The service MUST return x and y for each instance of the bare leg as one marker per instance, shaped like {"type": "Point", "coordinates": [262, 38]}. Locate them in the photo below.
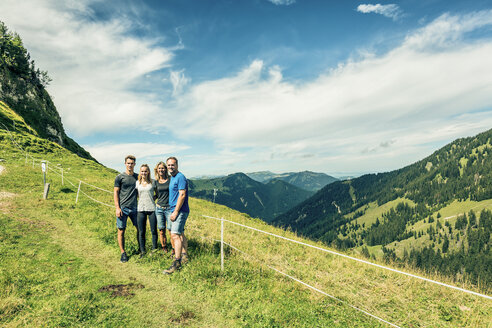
{"type": "Point", "coordinates": [121, 239]}
{"type": "Point", "coordinates": [177, 245]}
{"type": "Point", "coordinates": [162, 237]}
{"type": "Point", "coordinates": [184, 244]}
{"type": "Point", "coordinates": [172, 240]}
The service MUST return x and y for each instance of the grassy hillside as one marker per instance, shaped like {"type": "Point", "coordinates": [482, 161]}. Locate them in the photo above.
{"type": "Point", "coordinates": [23, 88]}
{"type": "Point", "coordinates": [240, 192]}
{"type": "Point", "coordinates": [410, 215]}
{"type": "Point", "coordinates": [60, 266]}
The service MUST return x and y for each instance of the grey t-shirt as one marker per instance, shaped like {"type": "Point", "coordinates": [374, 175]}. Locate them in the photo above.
{"type": "Point", "coordinates": [162, 192]}
{"type": "Point", "coordinates": [128, 193]}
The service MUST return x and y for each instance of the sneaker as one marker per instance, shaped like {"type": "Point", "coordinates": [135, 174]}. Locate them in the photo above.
{"type": "Point", "coordinates": [124, 257]}
{"type": "Point", "coordinates": [184, 258]}
{"type": "Point", "coordinates": [174, 267]}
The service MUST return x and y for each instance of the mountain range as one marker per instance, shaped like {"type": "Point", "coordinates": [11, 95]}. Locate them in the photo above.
{"type": "Point", "coordinates": [434, 214]}
{"type": "Point", "coordinates": [240, 192]}
{"type": "Point", "coordinates": [307, 180]}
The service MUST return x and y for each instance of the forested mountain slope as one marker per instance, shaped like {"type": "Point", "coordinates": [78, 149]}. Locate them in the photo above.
{"type": "Point", "coordinates": [240, 192]}
{"type": "Point", "coordinates": [456, 179]}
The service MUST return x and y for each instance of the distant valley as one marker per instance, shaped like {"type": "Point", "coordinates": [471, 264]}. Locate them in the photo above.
{"type": "Point", "coordinates": [240, 192]}
{"type": "Point", "coordinates": [307, 180]}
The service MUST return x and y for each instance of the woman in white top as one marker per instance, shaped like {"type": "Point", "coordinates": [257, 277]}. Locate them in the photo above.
{"type": "Point", "coordinates": [145, 208]}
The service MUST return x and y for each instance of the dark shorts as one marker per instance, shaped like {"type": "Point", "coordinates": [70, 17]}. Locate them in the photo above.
{"type": "Point", "coordinates": [126, 212]}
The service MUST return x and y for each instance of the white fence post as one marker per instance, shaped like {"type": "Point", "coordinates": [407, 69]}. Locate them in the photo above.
{"type": "Point", "coordinates": [222, 244]}
{"type": "Point", "coordinates": [78, 190]}
{"type": "Point", "coordinates": [44, 168]}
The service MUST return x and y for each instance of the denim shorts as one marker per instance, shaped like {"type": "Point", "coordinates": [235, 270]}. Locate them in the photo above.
{"type": "Point", "coordinates": [163, 215]}
{"type": "Point", "coordinates": [126, 212]}
{"type": "Point", "coordinates": [177, 227]}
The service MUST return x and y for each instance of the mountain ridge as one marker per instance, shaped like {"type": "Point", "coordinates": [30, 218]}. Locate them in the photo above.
{"type": "Point", "coordinates": [238, 191]}
{"type": "Point", "coordinates": [459, 172]}
{"type": "Point", "coordinates": [23, 89]}
{"type": "Point", "coordinates": [308, 180]}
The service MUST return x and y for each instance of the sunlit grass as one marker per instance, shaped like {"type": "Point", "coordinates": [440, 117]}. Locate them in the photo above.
{"type": "Point", "coordinates": [57, 255]}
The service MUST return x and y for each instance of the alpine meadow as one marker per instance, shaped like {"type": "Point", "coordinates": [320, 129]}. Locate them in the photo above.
{"type": "Point", "coordinates": [405, 248]}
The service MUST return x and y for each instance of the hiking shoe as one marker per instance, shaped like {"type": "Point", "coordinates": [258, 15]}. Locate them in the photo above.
{"type": "Point", "coordinates": [184, 258]}
{"type": "Point", "coordinates": [124, 257]}
{"type": "Point", "coordinates": [174, 267]}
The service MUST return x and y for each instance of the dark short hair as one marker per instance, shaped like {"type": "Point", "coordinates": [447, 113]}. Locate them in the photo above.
{"type": "Point", "coordinates": [173, 158]}
{"type": "Point", "coordinates": [130, 157]}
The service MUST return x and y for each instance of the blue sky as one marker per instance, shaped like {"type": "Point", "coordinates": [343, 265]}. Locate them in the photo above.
{"type": "Point", "coordinates": [341, 87]}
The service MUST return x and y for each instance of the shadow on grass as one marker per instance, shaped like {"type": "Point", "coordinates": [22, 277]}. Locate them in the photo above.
{"type": "Point", "coordinates": [67, 191]}
{"type": "Point", "coordinates": [196, 246]}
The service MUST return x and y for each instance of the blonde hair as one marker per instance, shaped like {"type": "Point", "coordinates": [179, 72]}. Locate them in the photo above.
{"type": "Point", "coordinates": [156, 173]}
{"type": "Point", "coordinates": [140, 177]}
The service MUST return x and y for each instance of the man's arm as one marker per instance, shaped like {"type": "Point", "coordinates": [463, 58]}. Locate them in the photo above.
{"type": "Point", "coordinates": [179, 203]}
{"type": "Point", "coordinates": [116, 197]}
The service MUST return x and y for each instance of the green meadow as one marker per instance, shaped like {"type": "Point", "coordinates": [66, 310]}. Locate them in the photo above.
{"type": "Point", "coordinates": [59, 264]}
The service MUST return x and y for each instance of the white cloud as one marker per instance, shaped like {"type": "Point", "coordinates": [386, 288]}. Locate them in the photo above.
{"type": "Point", "coordinates": [95, 65]}
{"type": "Point", "coordinates": [390, 10]}
{"type": "Point", "coordinates": [113, 154]}
{"type": "Point", "coordinates": [282, 2]}
{"type": "Point", "coordinates": [436, 92]}
{"type": "Point", "coordinates": [178, 80]}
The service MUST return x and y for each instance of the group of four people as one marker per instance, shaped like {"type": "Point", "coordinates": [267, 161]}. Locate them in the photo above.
{"type": "Point", "coordinates": [163, 201]}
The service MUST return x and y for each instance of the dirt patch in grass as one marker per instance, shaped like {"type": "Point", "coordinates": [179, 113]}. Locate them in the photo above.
{"type": "Point", "coordinates": [5, 194]}
{"type": "Point", "coordinates": [121, 290]}
{"type": "Point", "coordinates": [45, 225]}
{"type": "Point", "coordinates": [184, 317]}
{"type": "Point", "coordinates": [4, 201]}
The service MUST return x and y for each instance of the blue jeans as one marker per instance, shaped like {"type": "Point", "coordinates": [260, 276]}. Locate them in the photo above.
{"type": "Point", "coordinates": [177, 227]}
{"type": "Point", "coordinates": [126, 212]}
{"type": "Point", "coordinates": [163, 215]}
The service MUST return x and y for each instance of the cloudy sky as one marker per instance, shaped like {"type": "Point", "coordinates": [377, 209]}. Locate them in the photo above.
{"type": "Point", "coordinates": [341, 87]}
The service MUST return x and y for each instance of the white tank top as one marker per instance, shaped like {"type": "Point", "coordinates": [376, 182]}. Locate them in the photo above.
{"type": "Point", "coordinates": [145, 197]}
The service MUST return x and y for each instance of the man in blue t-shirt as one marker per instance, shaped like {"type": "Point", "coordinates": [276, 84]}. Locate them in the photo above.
{"type": "Point", "coordinates": [178, 205]}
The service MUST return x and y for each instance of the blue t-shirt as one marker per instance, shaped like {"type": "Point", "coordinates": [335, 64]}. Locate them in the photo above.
{"type": "Point", "coordinates": [178, 182]}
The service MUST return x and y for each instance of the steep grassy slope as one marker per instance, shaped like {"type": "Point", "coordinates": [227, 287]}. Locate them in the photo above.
{"type": "Point", "coordinates": [22, 87]}
{"type": "Point", "coordinates": [244, 194]}
{"type": "Point", "coordinates": [60, 266]}
{"type": "Point", "coordinates": [400, 211]}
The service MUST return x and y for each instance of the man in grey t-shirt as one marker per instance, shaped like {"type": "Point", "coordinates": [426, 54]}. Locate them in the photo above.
{"type": "Point", "coordinates": [125, 202]}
